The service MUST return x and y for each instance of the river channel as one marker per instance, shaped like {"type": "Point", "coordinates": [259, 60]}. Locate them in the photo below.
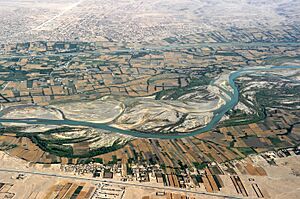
{"type": "Point", "coordinates": [218, 114]}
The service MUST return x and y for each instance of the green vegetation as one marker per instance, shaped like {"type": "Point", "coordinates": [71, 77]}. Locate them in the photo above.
{"type": "Point", "coordinates": [57, 147]}
{"type": "Point", "coordinates": [129, 170]}
{"type": "Point", "coordinates": [6, 146]}
{"type": "Point", "coordinates": [163, 166]}
{"type": "Point", "coordinates": [59, 130]}
{"type": "Point", "coordinates": [200, 166]}
{"type": "Point", "coordinates": [246, 150]}
{"type": "Point", "coordinates": [182, 166]}
{"type": "Point", "coordinates": [98, 160]}
{"type": "Point", "coordinates": [275, 140]}
{"type": "Point", "coordinates": [85, 161]}
{"type": "Point", "coordinates": [60, 150]}
{"type": "Point", "coordinates": [175, 93]}
{"type": "Point", "coordinates": [239, 118]}
{"type": "Point", "coordinates": [171, 40]}
{"type": "Point", "coordinates": [264, 97]}
{"type": "Point", "coordinates": [113, 161]}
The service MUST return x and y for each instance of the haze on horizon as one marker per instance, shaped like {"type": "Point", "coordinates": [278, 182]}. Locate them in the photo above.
{"type": "Point", "coordinates": [138, 20]}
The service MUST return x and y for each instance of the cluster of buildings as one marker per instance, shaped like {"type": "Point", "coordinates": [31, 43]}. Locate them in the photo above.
{"type": "Point", "coordinates": [131, 21]}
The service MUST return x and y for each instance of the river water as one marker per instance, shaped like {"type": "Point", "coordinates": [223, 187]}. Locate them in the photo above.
{"type": "Point", "coordinates": [218, 114]}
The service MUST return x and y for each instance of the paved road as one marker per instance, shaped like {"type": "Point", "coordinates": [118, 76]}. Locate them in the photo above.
{"type": "Point", "coordinates": [128, 184]}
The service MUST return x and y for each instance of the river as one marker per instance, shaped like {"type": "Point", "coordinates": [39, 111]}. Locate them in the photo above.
{"type": "Point", "coordinates": [218, 114]}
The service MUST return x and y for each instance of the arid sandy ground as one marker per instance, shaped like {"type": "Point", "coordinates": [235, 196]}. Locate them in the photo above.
{"type": "Point", "coordinates": [281, 181]}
